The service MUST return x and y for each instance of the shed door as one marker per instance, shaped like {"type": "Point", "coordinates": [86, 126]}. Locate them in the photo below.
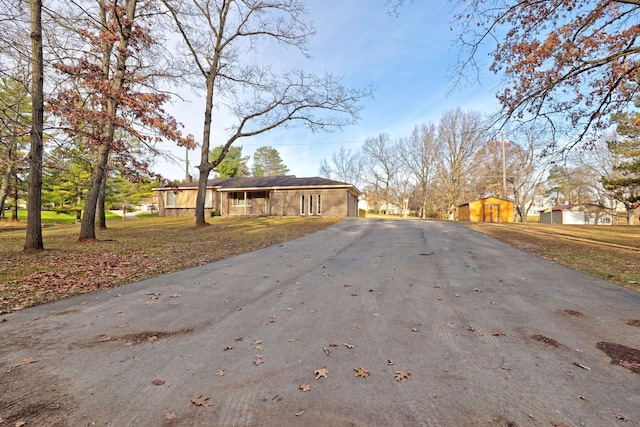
{"type": "Point", "coordinates": [491, 213]}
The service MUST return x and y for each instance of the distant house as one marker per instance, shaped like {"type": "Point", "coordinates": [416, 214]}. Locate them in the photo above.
{"type": "Point", "coordinates": [263, 196]}
{"type": "Point", "coordinates": [489, 209]}
{"type": "Point", "coordinates": [576, 214]}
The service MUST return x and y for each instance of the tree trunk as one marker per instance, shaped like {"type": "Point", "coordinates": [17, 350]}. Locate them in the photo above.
{"type": "Point", "coordinates": [101, 216]}
{"type": "Point", "coordinates": [205, 166]}
{"type": "Point", "coordinates": [4, 188]}
{"type": "Point", "coordinates": [88, 228]}
{"type": "Point", "coordinates": [33, 239]}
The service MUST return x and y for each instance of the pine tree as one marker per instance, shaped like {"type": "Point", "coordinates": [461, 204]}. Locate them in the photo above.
{"type": "Point", "coordinates": [267, 162]}
{"type": "Point", "coordinates": [625, 185]}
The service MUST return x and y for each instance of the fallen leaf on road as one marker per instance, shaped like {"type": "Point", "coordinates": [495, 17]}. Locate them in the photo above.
{"type": "Point", "coordinates": [170, 416]}
{"type": "Point", "coordinates": [152, 338]}
{"type": "Point", "coordinates": [258, 360]}
{"type": "Point", "coordinates": [450, 324]}
{"type": "Point", "coordinates": [415, 330]}
{"type": "Point", "coordinates": [402, 375]}
{"type": "Point", "coordinates": [497, 333]}
{"type": "Point", "coordinates": [376, 314]}
{"type": "Point", "coordinates": [293, 339]}
{"type": "Point", "coordinates": [355, 327]}
{"type": "Point", "coordinates": [326, 351]}
{"type": "Point", "coordinates": [220, 373]}
{"type": "Point", "coordinates": [299, 413]}
{"type": "Point", "coordinates": [239, 338]}
{"type": "Point", "coordinates": [620, 417]}
{"type": "Point", "coordinates": [175, 296]}
{"type": "Point", "coordinates": [579, 365]}
{"type": "Point", "coordinates": [20, 423]}
{"type": "Point", "coordinates": [227, 348]}
{"type": "Point", "coordinates": [157, 381]}
{"type": "Point", "coordinates": [389, 362]}
{"type": "Point", "coordinates": [560, 424]}
{"type": "Point", "coordinates": [201, 400]}
{"type": "Point", "coordinates": [27, 361]}
{"type": "Point", "coordinates": [349, 346]}
{"type": "Point", "coordinates": [321, 373]}
{"type": "Point", "coordinates": [304, 387]}
{"type": "Point", "coordinates": [476, 290]}
{"type": "Point", "coordinates": [361, 372]}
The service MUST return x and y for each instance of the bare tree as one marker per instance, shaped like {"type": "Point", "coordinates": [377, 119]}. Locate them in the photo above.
{"type": "Point", "coordinates": [345, 166]}
{"type": "Point", "coordinates": [221, 36]}
{"type": "Point", "coordinates": [419, 153]}
{"type": "Point", "coordinates": [460, 134]}
{"type": "Point", "coordinates": [380, 165]}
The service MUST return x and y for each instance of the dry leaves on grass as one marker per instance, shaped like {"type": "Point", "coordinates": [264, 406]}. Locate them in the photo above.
{"type": "Point", "coordinates": [123, 255]}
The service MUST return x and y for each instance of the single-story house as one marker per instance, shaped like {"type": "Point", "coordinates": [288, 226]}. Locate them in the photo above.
{"type": "Point", "coordinates": [284, 195]}
{"type": "Point", "coordinates": [489, 209]}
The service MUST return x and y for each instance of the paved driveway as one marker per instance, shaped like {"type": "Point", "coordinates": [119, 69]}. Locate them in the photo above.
{"type": "Point", "coordinates": [452, 327]}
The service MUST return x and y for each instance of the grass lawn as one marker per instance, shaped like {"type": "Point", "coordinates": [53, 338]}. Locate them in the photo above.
{"type": "Point", "coordinates": [609, 252]}
{"type": "Point", "coordinates": [48, 218]}
{"type": "Point", "coordinates": [129, 250]}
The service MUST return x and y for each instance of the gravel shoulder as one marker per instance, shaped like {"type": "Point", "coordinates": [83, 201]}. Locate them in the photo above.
{"type": "Point", "coordinates": [454, 328]}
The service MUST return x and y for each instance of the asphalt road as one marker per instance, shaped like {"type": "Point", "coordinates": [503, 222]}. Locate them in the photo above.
{"type": "Point", "coordinates": [453, 328]}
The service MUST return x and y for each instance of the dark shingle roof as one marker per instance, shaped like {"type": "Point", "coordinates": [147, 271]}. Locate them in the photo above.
{"type": "Point", "coordinates": [267, 182]}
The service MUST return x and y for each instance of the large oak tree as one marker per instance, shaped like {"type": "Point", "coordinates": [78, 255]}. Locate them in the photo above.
{"type": "Point", "coordinates": [223, 39]}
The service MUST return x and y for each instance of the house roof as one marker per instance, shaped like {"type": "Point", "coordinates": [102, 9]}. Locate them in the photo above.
{"type": "Point", "coordinates": [561, 207]}
{"type": "Point", "coordinates": [486, 198]}
{"type": "Point", "coordinates": [270, 183]}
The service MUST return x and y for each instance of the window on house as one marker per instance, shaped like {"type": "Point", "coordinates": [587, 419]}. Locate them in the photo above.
{"type": "Point", "coordinates": [319, 203]}
{"type": "Point", "coordinates": [239, 199]}
{"type": "Point", "coordinates": [171, 199]}
{"type": "Point", "coordinates": [302, 205]}
{"type": "Point", "coordinates": [310, 205]}
{"type": "Point", "coordinates": [207, 198]}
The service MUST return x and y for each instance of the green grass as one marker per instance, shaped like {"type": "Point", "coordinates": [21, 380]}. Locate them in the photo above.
{"type": "Point", "coordinates": [53, 217]}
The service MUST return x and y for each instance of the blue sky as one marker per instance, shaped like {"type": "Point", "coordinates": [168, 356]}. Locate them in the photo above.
{"type": "Point", "coordinates": [406, 58]}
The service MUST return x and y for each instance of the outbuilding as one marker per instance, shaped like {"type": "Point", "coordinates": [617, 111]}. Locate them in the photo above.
{"type": "Point", "coordinates": [489, 209]}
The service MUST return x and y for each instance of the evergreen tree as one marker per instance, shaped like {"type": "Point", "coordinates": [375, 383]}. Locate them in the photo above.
{"type": "Point", "coordinates": [233, 165]}
{"type": "Point", "coordinates": [267, 162]}
{"type": "Point", "coordinates": [625, 184]}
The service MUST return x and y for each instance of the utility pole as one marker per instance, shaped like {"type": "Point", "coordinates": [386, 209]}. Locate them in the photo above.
{"type": "Point", "coordinates": [186, 167]}
{"type": "Point", "coordinates": [504, 170]}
